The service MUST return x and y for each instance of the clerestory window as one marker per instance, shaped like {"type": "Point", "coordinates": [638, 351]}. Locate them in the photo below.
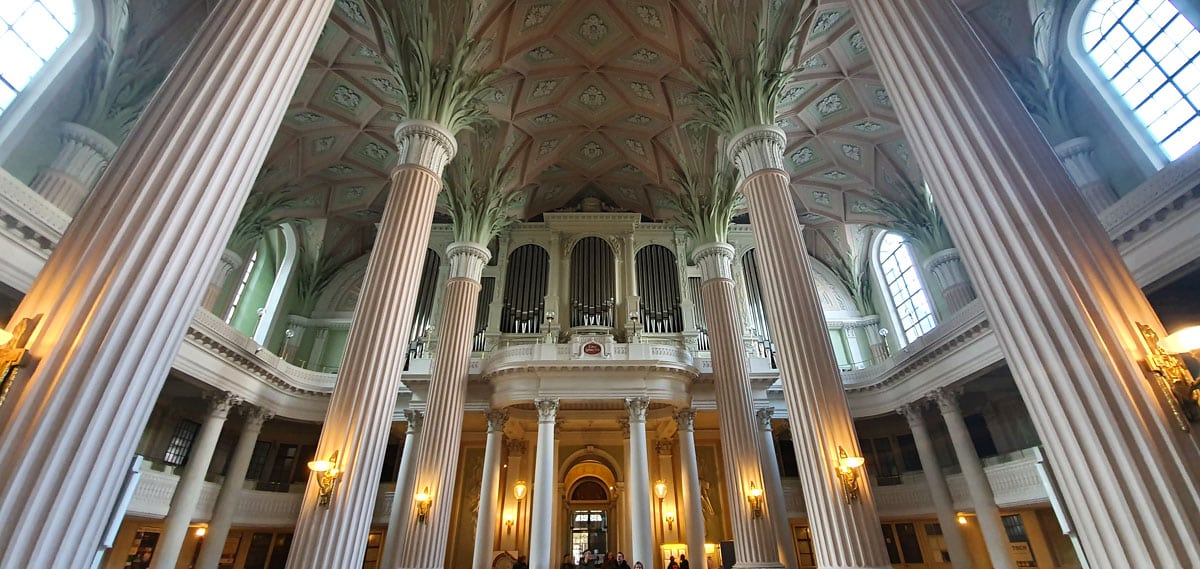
{"type": "Point", "coordinates": [912, 310]}
{"type": "Point", "coordinates": [31, 31]}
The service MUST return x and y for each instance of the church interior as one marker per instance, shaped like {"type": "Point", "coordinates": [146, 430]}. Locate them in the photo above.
{"type": "Point", "coordinates": [400, 284]}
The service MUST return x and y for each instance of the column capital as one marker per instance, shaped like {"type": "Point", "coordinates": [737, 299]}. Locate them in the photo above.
{"type": "Point", "coordinates": [414, 419]}
{"type": "Point", "coordinates": [467, 259]}
{"type": "Point", "coordinates": [220, 403]}
{"type": "Point", "coordinates": [256, 416]}
{"type": "Point", "coordinates": [764, 416]}
{"type": "Point", "coordinates": [757, 148]}
{"type": "Point", "coordinates": [517, 447]}
{"type": "Point", "coordinates": [637, 407]}
{"type": "Point", "coordinates": [914, 412]}
{"type": "Point", "coordinates": [946, 399]}
{"type": "Point", "coordinates": [496, 419]}
{"type": "Point", "coordinates": [685, 419]}
{"type": "Point", "coordinates": [715, 261]}
{"type": "Point", "coordinates": [547, 409]}
{"type": "Point", "coordinates": [664, 447]}
{"type": "Point", "coordinates": [426, 144]}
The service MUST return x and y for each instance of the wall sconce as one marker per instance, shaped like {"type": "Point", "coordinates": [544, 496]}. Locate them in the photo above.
{"type": "Point", "coordinates": [1174, 379]}
{"type": "Point", "coordinates": [755, 497]}
{"type": "Point", "coordinates": [962, 519]}
{"type": "Point", "coordinates": [550, 316]}
{"type": "Point", "coordinates": [13, 351]}
{"type": "Point", "coordinates": [660, 490]}
{"type": "Point", "coordinates": [327, 473]}
{"type": "Point", "coordinates": [847, 470]}
{"type": "Point", "coordinates": [424, 500]}
{"type": "Point", "coordinates": [519, 490]}
{"type": "Point", "coordinates": [508, 523]}
{"type": "Point", "coordinates": [670, 517]}
{"type": "Point", "coordinates": [201, 531]}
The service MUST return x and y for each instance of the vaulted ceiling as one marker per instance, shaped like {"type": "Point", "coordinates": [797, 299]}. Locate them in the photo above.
{"type": "Point", "coordinates": [590, 101]}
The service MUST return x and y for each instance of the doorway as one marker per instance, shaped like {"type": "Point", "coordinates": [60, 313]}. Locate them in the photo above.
{"type": "Point", "coordinates": [589, 532]}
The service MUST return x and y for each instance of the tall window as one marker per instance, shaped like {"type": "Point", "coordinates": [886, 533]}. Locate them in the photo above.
{"type": "Point", "coordinates": [904, 287]}
{"type": "Point", "coordinates": [181, 442]}
{"type": "Point", "coordinates": [30, 32]}
{"type": "Point", "coordinates": [1148, 52]}
{"type": "Point", "coordinates": [241, 288]}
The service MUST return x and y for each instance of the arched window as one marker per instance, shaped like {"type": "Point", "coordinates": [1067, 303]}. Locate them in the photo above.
{"type": "Point", "coordinates": [911, 306]}
{"type": "Point", "coordinates": [30, 32]}
{"type": "Point", "coordinates": [1147, 52]}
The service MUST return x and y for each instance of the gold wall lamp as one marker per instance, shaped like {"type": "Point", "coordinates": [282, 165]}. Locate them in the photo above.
{"type": "Point", "coordinates": [660, 491]}
{"type": "Point", "coordinates": [847, 471]}
{"type": "Point", "coordinates": [1174, 379]}
{"type": "Point", "coordinates": [13, 352]}
{"type": "Point", "coordinates": [755, 497]}
{"type": "Point", "coordinates": [327, 472]}
{"type": "Point", "coordinates": [508, 522]}
{"type": "Point", "coordinates": [424, 500]}
{"type": "Point", "coordinates": [670, 517]}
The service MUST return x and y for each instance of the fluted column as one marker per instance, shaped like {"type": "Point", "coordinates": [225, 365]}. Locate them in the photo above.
{"type": "Point", "coordinates": [187, 492]}
{"type": "Point", "coordinates": [230, 261]}
{"type": "Point", "coordinates": [1056, 291]}
{"type": "Point", "coordinates": [939, 491]}
{"type": "Point", "coordinates": [773, 489]}
{"type": "Point", "coordinates": [364, 397]}
{"type": "Point", "coordinates": [231, 489]}
{"type": "Point", "coordinates": [948, 272]}
{"type": "Point", "coordinates": [1076, 158]}
{"type": "Point", "coordinates": [70, 177]}
{"type": "Point", "coordinates": [541, 513]}
{"type": "Point", "coordinates": [845, 534]}
{"type": "Point", "coordinates": [986, 511]}
{"type": "Point", "coordinates": [437, 459]}
{"type": "Point", "coordinates": [754, 537]}
{"type": "Point", "coordinates": [119, 290]}
{"type": "Point", "coordinates": [692, 516]}
{"type": "Point", "coordinates": [489, 492]}
{"type": "Point", "coordinates": [401, 513]}
{"type": "Point", "coordinates": [640, 514]}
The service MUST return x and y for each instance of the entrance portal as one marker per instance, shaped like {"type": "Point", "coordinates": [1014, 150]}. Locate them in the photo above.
{"type": "Point", "coordinates": [589, 532]}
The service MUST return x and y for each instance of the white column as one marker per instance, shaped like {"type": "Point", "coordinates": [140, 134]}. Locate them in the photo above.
{"type": "Point", "coordinates": [437, 460]}
{"type": "Point", "coordinates": [774, 490]}
{"type": "Point", "coordinates": [542, 512]}
{"type": "Point", "coordinates": [68, 180]}
{"type": "Point", "coordinates": [1076, 157]}
{"type": "Point", "coordinates": [489, 492]}
{"type": "Point", "coordinates": [943, 504]}
{"type": "Point", "coordinates": [231, 489]}
{"type": "Point", "coordinates": [754, 534]}
{"type": "Point", "coordinates": [230, 262]}
{"type": "Point", "coordinates": [187, 492]}
{"type": "Point", "coordinates": [364, 398]}
{"type": "Point", "coordinates": [692, 516]}
{"type": "Point", "coordinates": [980, 489]}
{"type": "Point", "coordinates": [638, 484]}
{"type": "Point", "coordinates": [947, 270]}
{"type": "Point", "coordinates": [118, 291]}
{"type": "Point", "coordinates": [401, 511]}
{"type": "Point", "coordinates": [1063, 304]}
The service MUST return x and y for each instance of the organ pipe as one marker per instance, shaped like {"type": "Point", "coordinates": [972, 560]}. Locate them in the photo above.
{"type": "Point", "coordinates": [698, 313]}
{"type": "Point", "coordinates": [525, 290]}
{"type": "Point", "coordinates": [758, 314]}
{"type": "Point", "coordinates": [486, 291]}
{"type": "Point", "coordinates": [593, 283]}
{"type": "Point", "coordinates": [423, 312]}
{"type": "Point", "coordinates": [658, 283]}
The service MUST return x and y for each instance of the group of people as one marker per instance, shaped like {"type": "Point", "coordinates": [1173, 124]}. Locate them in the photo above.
{"type": "Point", "coordinates": [591, 560]}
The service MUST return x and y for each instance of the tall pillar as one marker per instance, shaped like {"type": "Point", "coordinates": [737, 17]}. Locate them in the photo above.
{"type": "Point", "coordinates": [489, 492]}
{"type": "Point", "coordinates": [117, 294]}
{"type": "Point", "coordinates": [668, 504]}
{"type": "Point", "coordinates": [692, 516]}
{"type": "Point", "coordinates": [754, 536]}
{"type": "Point", "coordinates": [845, 533]}
{"type": "Point", "coordinates": [187, 492]}
{"type": "Point", "coordinates": [68, 180]}
{"type": "Point", "coordinates": [977, 483]}
{"type": "Point", "coordinates": [939, 491]}
{"type": "Point", "coordinates": [947, 270]}
{"type": "Point", "coordinates": [231, 489]}
{"type": "Point", "coordinates": [1056, 291]}
{"type": "Point", "coordinates": [401, 511]}
{"type": "Point", "coordinates": [438, 457]}
{"type": "Point", "coordinates": [541, 515]}
{"type": "Point", "coordinates": [640, 515]}
{"type": "Point", "coordinates": [626, 540]}
{"type": "Point", "coordinates": [774, 490]}
{"type": "Point", "coordinates": [364, 398]}
{"type": "Point", "coordinates": [230, 262]}
{"type": "Point", "coordinates": [1076, 157]}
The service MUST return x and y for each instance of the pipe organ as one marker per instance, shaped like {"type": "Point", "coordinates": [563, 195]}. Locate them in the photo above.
{"type": "Point", "coordinates": [698, 314]}
{"type": "Point", "coordinates": [486, 291]}
{"type": "Point", "coordinates": [593, 283]}
{"type": "Point", "coordinates": [423, 312]}
{"type": "Point", "coordinates": [658, 287]}
{"type": "Point", "coordinates": [525, 290]}
{"type": "Point", "coordinates": [759, 326]}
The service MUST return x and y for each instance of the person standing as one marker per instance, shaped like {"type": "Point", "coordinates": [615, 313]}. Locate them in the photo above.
{"type": "Point", "coordinates": [672, 564]}
{"type": "Point", "coordinates": [683, 562]}
{"type": "Point", "coordinates": [621, 563]}
{"type": "Point", "coordinates": [521, 563]}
